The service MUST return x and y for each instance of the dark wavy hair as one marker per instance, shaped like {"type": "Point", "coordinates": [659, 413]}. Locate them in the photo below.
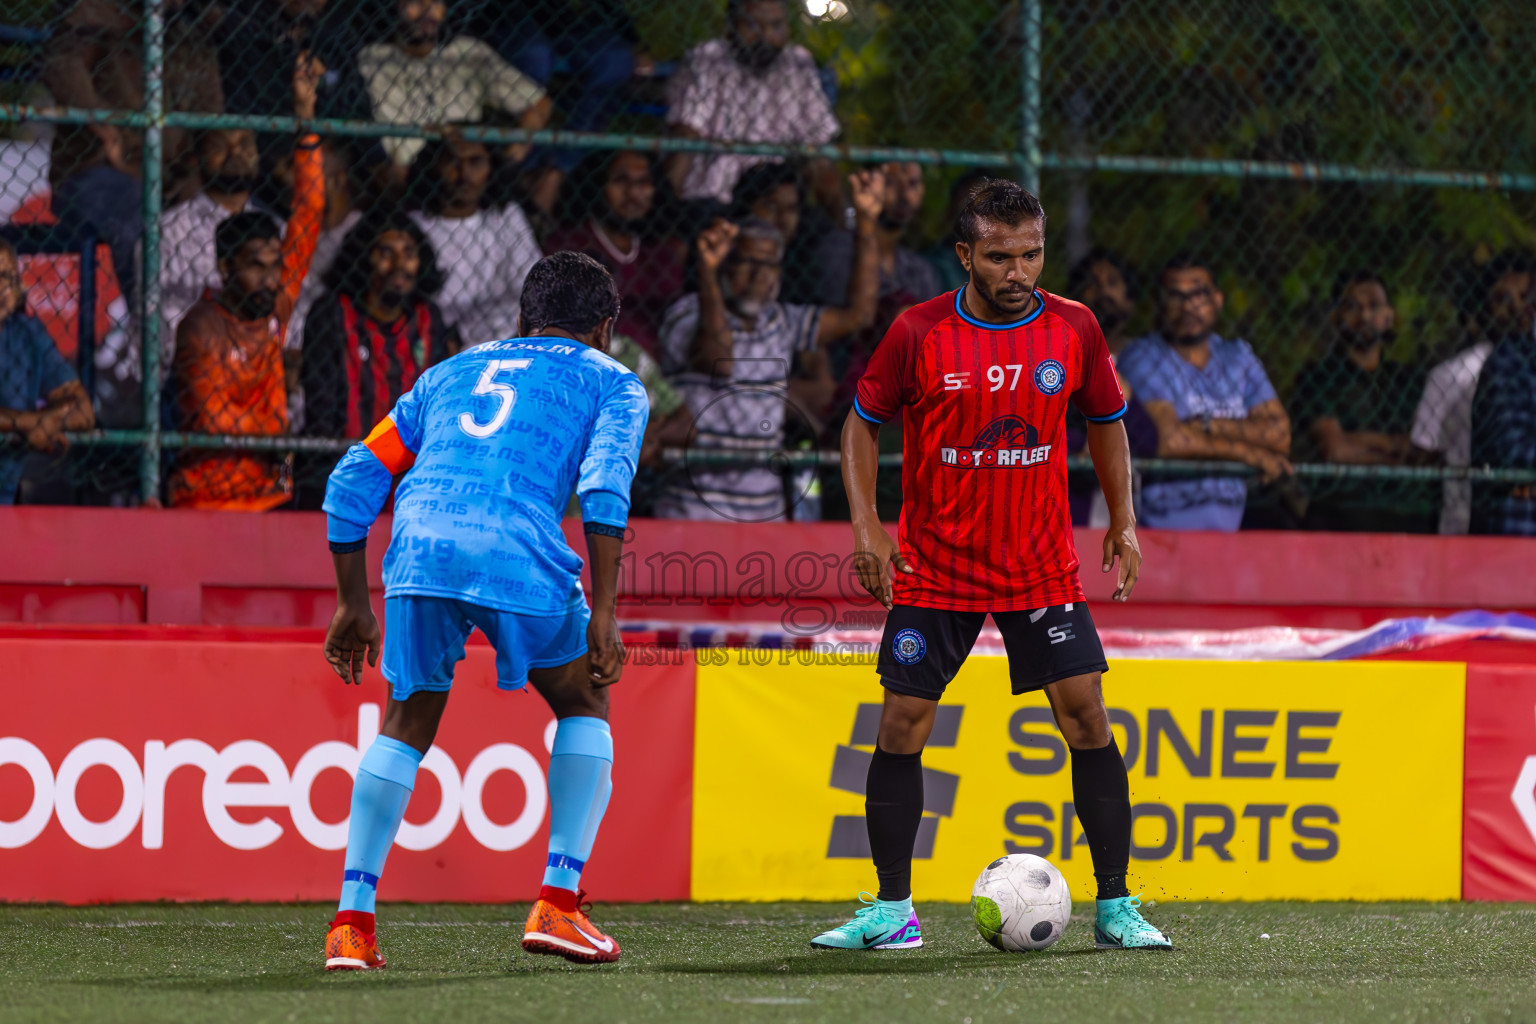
{"type": "Point", "coordinates": [1000, 201]}
{"type": "Point", "coordinates": [349, 272]}
{"type": "Point", "coordinates": [570, 291]}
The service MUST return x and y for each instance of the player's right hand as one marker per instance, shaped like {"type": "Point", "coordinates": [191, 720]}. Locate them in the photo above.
{"type": "Point", "coordinates": [605, 650]}
{"type": "Point", "coordinates": [872, 561]}
{"type": "Point", "coordinates": [354, 634]}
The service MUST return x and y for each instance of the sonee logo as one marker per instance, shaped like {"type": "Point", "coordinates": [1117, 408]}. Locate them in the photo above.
{"type": "Point", "coordinates": [1061, 634]}
{"type": "Point", "coordinates": [1049, 377]}
{"type": "Point", "coordinates": [850, 769]}
{"type": "Point", "coordinates": [908, 647]}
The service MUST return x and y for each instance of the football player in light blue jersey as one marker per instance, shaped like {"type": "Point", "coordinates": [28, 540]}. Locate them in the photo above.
{"type": "Point", "coordinates": [492, 443]}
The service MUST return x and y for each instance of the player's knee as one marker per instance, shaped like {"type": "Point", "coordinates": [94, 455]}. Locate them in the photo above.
{"type": "Point", "coordinates": [1085, 728]}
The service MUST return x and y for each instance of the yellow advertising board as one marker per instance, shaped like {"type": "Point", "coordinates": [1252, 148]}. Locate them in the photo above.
{"type": "Point", "coordinates": [1249, 780]}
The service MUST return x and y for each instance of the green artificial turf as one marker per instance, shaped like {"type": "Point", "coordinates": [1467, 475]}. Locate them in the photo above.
{"type": "Point", "coordinates": [750, 962]}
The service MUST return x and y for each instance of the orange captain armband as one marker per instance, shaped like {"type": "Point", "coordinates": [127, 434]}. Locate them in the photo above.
{"type": "Point", "coordinates": [385, 443]}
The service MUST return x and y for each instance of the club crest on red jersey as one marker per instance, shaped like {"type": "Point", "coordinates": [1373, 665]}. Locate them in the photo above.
{"type": "Point", "coordinates": [1049, 377]}
{"type": "Point", "coordinates": [1004, 443]}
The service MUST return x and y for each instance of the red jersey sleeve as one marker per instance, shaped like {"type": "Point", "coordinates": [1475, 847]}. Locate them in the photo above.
{"type": "Point", "coordinates": [1098, 395]}
{"type": "Point", "coordinates": [889, 382]}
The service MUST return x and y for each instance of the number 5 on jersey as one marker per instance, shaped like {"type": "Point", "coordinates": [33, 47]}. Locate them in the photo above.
{"type": "Point", "coordinates": [489, 385]}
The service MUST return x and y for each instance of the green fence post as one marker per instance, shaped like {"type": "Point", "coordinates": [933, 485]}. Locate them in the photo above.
{"type": "Point", "coordinates": [154, 110]}
{"type": "Point", "coordinates": [1029, 127]}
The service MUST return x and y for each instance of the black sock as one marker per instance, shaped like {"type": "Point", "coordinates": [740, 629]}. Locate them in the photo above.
{"type": "Point", "coordinates": [893, 808]}
{"type": "Point", "coordinates": [1101, 791]}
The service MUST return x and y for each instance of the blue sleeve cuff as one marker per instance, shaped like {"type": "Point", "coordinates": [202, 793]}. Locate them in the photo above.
{"type": "Point", "coordinates": [1112, 417]}
{"type": "Point", "coordinates": [864, 415]}
{"type": "Point", "coordinates": [343, 531]}
{"type": "Point", "coordinates": [605, 508]}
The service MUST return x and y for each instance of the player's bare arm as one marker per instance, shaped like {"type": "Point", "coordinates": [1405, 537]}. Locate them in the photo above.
{"type": "Point", "coordinates": [712, 347]}
{"type": "Point", "coordinates": [605, 648]}
{"type": "Point", "coordinates": [354, 631]}
{"type": "Point", "coordinates": [1178, 439]}
{"type": "Point", "coordinates": [874, 552]}
{"type": "Point", "coordinates": [868, 190]}
{"type": "Point", "coordinates": [1111, 453]}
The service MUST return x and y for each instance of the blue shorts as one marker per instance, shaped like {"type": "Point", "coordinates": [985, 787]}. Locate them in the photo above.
{"type": "Point", "coordinates": [424, 639]}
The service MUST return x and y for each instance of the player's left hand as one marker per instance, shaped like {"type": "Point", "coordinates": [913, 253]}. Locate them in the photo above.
{"type": "Point", "coordinates": [605, 650]}
{"type": "Point", "coordinates": [868, 188]}
{"type": "Point", "coordinates": [353, 635]}
{"type": "Point", "coordinates": [1120, 543]}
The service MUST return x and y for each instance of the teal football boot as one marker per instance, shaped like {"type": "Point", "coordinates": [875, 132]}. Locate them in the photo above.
{"type": "Point", "coordinates": [1119, 925]}
{"type": "Point", "coordinates": [879, 924]}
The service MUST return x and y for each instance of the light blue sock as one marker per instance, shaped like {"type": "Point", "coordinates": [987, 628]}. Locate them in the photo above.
{"type": "Point", "coordinates": [383, 787]}
{"type": "Point", "coordinates": [580, 783]}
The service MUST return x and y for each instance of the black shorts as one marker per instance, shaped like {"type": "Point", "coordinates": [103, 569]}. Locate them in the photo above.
{"type": "Point", "coordinates": [923, 648]}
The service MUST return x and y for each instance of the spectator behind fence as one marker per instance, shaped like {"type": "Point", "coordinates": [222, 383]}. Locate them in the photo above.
{"type": "Point", "coordinates": [774, 192]}
{"type": "Point", "coordinates": [259, 40]}
{"type": "Point", "coordinates": [611, 206]}
{"type": "Point", "coordinates": [228, 370]}
{"type": "Point", "coordinates": [1210, 399]}
{"type": "Point", "coordinates": [95, 60]}
{"type": "Point", "coordinates": [228, 164]}
{"type": "Point", "coordinates": [1504, 405]}
{"type": "Point", "coordinates": [1102, 281]}
{"type": "Point", "coordinates": [1355, 406]}
{"type": "Point", "coordinates": [901, 269]}
{"type": "Point", "coordinates": [754, 85]}
{"type": "Point", "coordinates": [1443, 421]}
{"type": "Point", "coordinates": [941, 254]}
{"type": "Point", "coordinates": [484, 252]}
{"type": "Point", "coordinates": [731, 348]}
{"type": "Point", "coordinates": [595, 39]}
{"type": "Point", "coordinates": [416, 78]}
{"type": "Point", "coordinates": [368, 337]}
{"type": "Point", "coordinates": [40, 396]}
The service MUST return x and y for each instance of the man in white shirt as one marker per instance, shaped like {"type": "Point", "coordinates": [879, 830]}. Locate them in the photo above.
{"type": "Point", "coordinates": [228, 163]}
{"type": "Point", "coordinates": [485, 252]}
{"type": "Point", "coordinates": [1443, 423]}
{"type": "Point", "coordinates": [754, 85]}
{"type": "Point", "coordinates": [415, 78]}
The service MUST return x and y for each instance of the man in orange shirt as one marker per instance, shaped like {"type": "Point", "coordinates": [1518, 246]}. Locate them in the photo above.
{"type": "Point", "coordinates": [228, 370]}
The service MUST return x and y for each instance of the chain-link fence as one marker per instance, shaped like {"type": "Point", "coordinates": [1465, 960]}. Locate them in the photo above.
{"type": "Point", "coordinates": [1346, 189]}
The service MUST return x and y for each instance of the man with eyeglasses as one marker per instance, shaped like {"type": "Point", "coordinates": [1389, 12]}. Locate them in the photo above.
{"type": "Point", "coordinates": [1210, 399]}
{"type": "Point", "coordinates": [730, 348]}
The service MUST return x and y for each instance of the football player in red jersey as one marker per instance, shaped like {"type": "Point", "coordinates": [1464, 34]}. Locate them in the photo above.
{"type": "Point", "coordinates": [982, 377]}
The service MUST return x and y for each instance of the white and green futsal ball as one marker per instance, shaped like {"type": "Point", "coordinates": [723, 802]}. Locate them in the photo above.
{"type": "Point", "coordinates": [1020, 902]}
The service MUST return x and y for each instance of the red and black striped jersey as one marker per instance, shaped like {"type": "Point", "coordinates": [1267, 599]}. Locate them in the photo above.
{"type": "Point", "coordinates": [984, 517]}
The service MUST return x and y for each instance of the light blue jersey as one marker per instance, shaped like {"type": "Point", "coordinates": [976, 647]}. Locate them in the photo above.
{"type": "Point", "coordinates": [495, 440]}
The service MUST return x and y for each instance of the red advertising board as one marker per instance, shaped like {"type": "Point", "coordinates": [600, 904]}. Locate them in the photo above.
{"type": "Point", "coordinates": [1499, 835]}
{"type": "Point", "coordinates": [189, 770]}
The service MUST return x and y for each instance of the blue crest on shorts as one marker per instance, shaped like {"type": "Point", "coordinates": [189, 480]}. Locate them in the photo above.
{"type": "Point", "coordinates": [909, 647]}
{"type": "Point", "coordinates": [1050, 376]}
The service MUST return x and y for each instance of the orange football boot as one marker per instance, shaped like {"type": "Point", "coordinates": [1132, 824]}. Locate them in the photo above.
{"type": "Point", "coordinates": [567, 933]}
{"type": "Point", "coordinates": [349, 948]}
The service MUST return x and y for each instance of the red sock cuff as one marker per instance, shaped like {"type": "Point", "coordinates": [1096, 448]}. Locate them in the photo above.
{"type": "Point", "coordinates": [563, 899]}
{"type": "Point", "coordinates": [361, 920]}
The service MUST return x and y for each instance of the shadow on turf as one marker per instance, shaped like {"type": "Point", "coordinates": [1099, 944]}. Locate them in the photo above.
{"type": "Point", "coordinates": [859, 962]}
